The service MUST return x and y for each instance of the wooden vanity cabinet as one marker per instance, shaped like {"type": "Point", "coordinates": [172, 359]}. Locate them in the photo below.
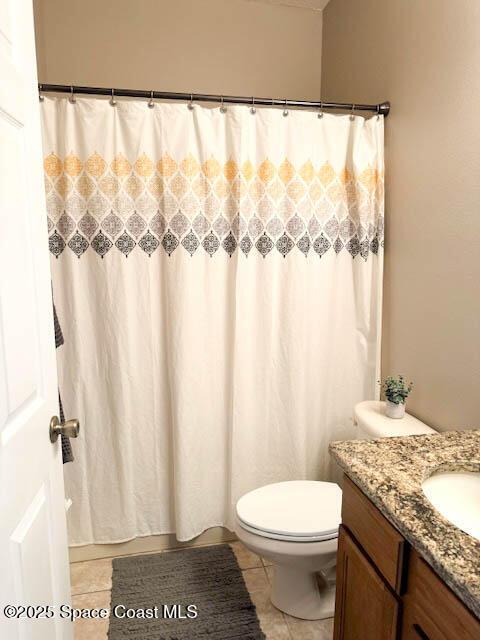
{"type": "Point", "coordinates": [385, 591]}
{"type": "Point", "coordinates": [431, 611]}
{"type": "Point", "coordinates": [363, 600]}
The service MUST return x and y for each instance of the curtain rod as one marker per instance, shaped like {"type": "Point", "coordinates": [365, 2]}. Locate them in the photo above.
{"type": "Point", "coordinates": [381, 109]}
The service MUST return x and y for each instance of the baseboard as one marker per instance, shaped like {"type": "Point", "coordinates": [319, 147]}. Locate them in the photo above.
{"type": "Point", "coordinates": [148, 544]}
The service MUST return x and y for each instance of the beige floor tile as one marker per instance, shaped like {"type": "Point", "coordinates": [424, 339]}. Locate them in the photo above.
{"type": "Point", "coordinates": [245, 558]}
{"type": "Point", "coordinates": [269, 572]}
{"type": "Point", "coordinates": [256, 580]}
{"type": "Point", "coordinates": [272, 621]}
{"type": "Point", "coordinates": [85, 629]}
{"type": "Point", "coordinates": [310, 629]}
{"type": "Point", "coordinates": [93, 575]}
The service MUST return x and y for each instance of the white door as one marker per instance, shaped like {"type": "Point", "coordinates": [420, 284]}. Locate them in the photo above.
{"type": "Point", "coordinates": [33, 542]}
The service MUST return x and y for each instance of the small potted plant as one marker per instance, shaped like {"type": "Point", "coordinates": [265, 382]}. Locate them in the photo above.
{"type": "Point", "coordinates": [396, 393]}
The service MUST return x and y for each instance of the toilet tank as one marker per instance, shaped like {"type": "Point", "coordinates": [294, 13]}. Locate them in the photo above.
{"type": "Point", "coordinates": [371, 422]}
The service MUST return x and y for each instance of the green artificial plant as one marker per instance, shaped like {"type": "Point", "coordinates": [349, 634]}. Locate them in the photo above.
{"type": "Point", "coordinates": [396, 389]}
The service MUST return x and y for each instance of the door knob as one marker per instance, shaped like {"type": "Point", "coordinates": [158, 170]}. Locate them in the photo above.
{"type": "Point", "coordinates": [70, 428]}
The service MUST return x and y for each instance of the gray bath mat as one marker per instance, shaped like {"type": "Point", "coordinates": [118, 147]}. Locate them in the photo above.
{"type": "Point", "coordinates": [208, 579]}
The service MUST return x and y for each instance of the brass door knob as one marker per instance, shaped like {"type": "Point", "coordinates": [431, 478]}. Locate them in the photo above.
{"type": "Point", "coordinates": [70, 428]}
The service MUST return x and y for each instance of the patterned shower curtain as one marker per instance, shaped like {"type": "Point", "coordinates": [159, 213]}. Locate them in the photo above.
{"type": "Point", "coordinates": [219, 277]}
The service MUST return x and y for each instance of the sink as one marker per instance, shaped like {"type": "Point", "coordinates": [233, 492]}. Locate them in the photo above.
{"type": "Point", "coordinates": [456, 495]}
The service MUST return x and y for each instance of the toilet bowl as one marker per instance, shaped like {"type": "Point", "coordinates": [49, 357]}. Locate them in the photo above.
{"type": "Point", "coordinates": [295, 526]}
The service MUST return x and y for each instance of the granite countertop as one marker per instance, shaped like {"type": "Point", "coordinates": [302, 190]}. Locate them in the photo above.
{"type": "Point", "coordinates": [390, 471]}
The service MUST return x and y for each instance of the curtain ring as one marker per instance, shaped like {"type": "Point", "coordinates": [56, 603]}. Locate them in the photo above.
{"type": "Point", "coordinates": [113, 102]}
{"type": "Point", "coordinates": [151, 103]}
{"type": "Point", "coordinates": [223, 108]}
{"type": "Point", "coordinates": [352, 115]}
{"type": "Point", "coordinates": [285, 111]}
{"type": "Point", "coordinates": [253, 111]}
{"type": "Point", "coordinates": [320, 113]}
{"type": "Point", "coordinates": [190, 104]}
{"type": "Point", "coordinates": [41, 97]}
{"type": "Point", "coordinates": [72, 98]}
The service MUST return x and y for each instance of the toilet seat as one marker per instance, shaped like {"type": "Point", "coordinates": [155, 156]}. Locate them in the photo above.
{"type": "Point", "coordinates": [296, 511]}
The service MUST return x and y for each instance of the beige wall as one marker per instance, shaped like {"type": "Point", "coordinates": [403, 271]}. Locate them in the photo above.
{"type": "Point", "coordinates": [424, 56]}
{"type": "Point", "coordinates": [212, 46]}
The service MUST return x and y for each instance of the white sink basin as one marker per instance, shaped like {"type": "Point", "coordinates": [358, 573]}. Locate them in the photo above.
{"type": "Point", "coordinates": [456, 495]}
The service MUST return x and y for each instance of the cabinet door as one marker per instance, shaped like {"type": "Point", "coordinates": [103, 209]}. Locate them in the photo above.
{"type": "Point", "coordinates": [364, 606]}
{"type": "Point", "coordinates": [431, 611]}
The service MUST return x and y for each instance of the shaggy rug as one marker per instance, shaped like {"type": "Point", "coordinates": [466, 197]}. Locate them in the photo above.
{"type": "Point", "coordinates": [190, 594]}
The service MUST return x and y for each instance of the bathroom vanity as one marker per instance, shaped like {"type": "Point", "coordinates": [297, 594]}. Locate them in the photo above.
{"type": "Point", "coordinates": [403, 571]}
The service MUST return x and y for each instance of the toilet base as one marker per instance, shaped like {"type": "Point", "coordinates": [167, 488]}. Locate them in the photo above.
{"type": "Point", "coordinates": [302, 594]}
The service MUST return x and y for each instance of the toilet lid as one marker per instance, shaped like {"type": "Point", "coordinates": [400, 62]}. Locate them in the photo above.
{"type": "Point", "coordinates": [300, 509]}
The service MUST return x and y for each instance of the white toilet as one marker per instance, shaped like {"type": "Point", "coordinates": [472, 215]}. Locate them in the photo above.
{"type": "Point", "coordinates": [295, 525]}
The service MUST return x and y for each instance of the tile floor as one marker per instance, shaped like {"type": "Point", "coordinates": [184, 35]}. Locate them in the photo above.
{"type": "Point", "coordinates": [92, 582]}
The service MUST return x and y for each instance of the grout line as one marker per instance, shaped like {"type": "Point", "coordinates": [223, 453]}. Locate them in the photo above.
{"type": "Point", "coordinates": [87, 593]}
{"type": "Point", "coordinates": [154, 551]}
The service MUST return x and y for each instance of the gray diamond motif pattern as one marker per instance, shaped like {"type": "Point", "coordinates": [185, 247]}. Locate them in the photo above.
{"type": "Point", "coordinates": [136, 225]}
{"type": "Point", "coordinates": [229, 244]}
{"type": "Point", "coordinates": [125, 243]}
{"type": "Point", "coordinates": [258, 218]}
{"type": "Point", "coordinates": [314, 227]}
{"type": "Point", "coordinates": [211, 244]}
{"type": "Point", "coordinates": [321, 245]}
{"type": "Point", "coordinates": [264, 245]}
{"type": "Point", "coordinates": [158, 225]}
{"type": "Point", "coordinates": [190, 243]}
{"type": "Point", "coordinates": [284, 245]}
{"type": "Point", "coordinates": [364, 247]}
{"type": "Point", "coordinates": [353, 247]}
{"type": "Point", "coordinates": [88, 225]}
{"type": "Point", "coordinates": [66, 225]}
{"type": "Point", "coordinates": [56, 244]}
{"type": "Point", "coordinates": [200, 225]}
{"type": "Point", "coordinates": [246, 245]}
{"type": "Point", "coordinates": [169, 242]}
{"type": "Point", "coordinates": [255, 227]}
{"type": "Point", "coordinates": [338, 245]}
{"type": "Point", "coordinates": [101, 244]}
{"type": "Point", "coordinates": [238, 226]}
{"type": "Point", "coordinates": [112, 225]}
{"type": "Point", "coordinates": [274, 227]}
{"type": "Point", "coordinates": [295, 226]}
{"type": "Point", "coordinates": [179, 224]}
{"type": "Point", "coordinates": [331, 228]}
{"type": "Point", "coordinates": [78, 244]}
{"type": "Point", "coordinates": [221, 227]}
{"type": "Point", "coordinates": [304, 244]}
{"type": "Point", "coordinates": [148, 243]}
{"type": "Point", "coordinates": [347, 229]}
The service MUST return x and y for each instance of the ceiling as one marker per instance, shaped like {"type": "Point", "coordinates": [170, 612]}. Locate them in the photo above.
{"type": "Point", "coordinates": [313, 5]}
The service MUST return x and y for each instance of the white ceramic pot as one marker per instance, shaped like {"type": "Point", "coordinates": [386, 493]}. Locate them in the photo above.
{"type": "Point", "coordinates": [393, 410]}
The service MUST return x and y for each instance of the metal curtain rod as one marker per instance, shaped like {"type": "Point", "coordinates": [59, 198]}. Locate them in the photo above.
{"type": "Point", "coordinates": [381, 109]}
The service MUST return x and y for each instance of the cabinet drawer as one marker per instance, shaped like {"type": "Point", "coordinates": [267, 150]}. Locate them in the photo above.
{"type": "Point", "coordinates": [431, 610]}
{"type": "Point", "coordinates": [378, 538]}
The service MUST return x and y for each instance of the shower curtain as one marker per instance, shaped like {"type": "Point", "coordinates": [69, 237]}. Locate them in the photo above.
{"type": "Point", "coordinates": [218, 274]}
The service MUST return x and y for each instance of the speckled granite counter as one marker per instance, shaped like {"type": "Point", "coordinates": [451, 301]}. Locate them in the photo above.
{"type": "Point", "coordinates": [390, 471]}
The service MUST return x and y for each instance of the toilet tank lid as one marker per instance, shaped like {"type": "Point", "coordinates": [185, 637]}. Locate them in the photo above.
{"type": "Point", "coordinates": [370, 417]}
{"type": "Point", "coordinates": [298, 508]}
